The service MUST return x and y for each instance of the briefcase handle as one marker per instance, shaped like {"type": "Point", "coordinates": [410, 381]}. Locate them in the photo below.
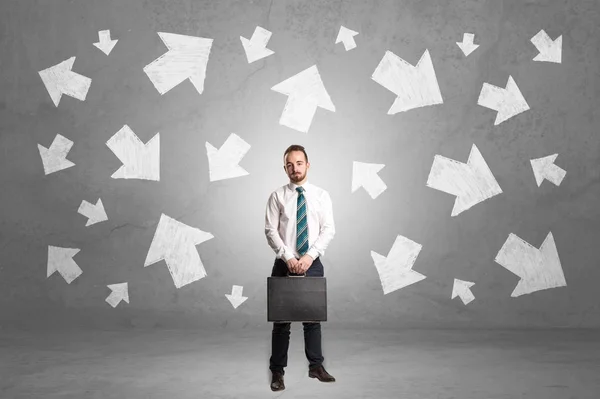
{"type": "Point", "coordinates": [301, 275]}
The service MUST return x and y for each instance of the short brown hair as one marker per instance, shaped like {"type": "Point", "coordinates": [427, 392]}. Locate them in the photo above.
{"type": "Point", "coordinates": [295, 147]}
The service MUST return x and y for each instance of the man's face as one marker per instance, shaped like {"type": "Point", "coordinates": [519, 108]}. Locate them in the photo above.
{"type": "Point", "coordinates": [296, 166]}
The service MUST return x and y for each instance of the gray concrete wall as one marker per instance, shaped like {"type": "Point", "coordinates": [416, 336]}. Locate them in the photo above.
{"type": "Point", "coordinates": [40, 210]}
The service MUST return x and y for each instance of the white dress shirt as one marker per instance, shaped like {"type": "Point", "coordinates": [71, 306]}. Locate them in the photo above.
{"type": "Point", "coordinates": [280, 220]}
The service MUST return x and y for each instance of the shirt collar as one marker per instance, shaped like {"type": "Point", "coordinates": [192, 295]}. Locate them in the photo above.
{"type": "Point", "coordinates": [292, 186]}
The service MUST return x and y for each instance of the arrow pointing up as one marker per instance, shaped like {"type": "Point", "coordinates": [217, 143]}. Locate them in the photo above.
{"type": "Point", "coordinates": [94, 213]}
{"type": "Point", "coordinates": [256, 47]}
{"type": "Point", "coordinates": [365, 175]}
{"type": "Point", "coordinates": [140, 161]}
{"type": "Point", "coordinates": [55, 157]}
{"type": "Point", "coordinates": [467, 45]}
{"type": "Point", "coordinates": [186, 59]}
{"type": "Point", "coordinates": [305, 92]}
{"type": "Point", "coordinates": [59, 80]}
{"type": "Point", "coordinates": [544, 168]}
{"type": "Point", "coordinates": [471, 183]}
{"type": "Point", "coordinates": [236, 297]}
{"type": "Point", "coordinates": [119, 293]}
{"type": "Point", "coordinates": [414, 86]}
{"type": "Point", "coordinates": [346, 36]}
{"type": "Point", "coordinates": [539, 269]}
{"type": "Point", "coordinates": [60, 259]}
{"type": "Point", "coordinates": [463, 290]}
{"type": "Point", "coordinates": [223, 163]}
{"type": "Point", "coordinates": [508, 102]}
{"type": "Point", "coordinates": [176, 243]}
{"type": "Point", "coordinates": [550, 50]}
{"type": "Point", "coordinates": [105, 44]}
{"type": "Point", "coordinates": [395, 271]}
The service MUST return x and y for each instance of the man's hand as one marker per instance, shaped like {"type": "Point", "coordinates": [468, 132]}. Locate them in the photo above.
{"type": "Point", "coordinates": [304, 263]}
{"type": "Point", "coordinates": [292, 265]}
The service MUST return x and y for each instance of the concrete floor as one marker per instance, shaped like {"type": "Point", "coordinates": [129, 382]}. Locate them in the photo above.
{"type": "Point", "coordinates": [180, 364]}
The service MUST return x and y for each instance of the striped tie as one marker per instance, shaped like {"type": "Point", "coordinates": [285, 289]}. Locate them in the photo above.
{"type": "Point", "coordinates": [301, 224]}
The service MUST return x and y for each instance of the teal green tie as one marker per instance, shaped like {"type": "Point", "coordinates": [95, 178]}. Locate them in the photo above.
{"type": "Point", "coordinates": [301, 223]}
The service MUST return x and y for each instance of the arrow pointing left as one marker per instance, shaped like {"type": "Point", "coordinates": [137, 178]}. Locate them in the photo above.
{"type": "Point", "coordinates": [60, 259]}
{"type": "Point", "coordinates": [59, 80]}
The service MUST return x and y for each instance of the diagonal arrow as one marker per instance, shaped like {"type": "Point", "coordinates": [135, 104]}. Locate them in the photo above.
{"type": "Point", "coordinates": [471, 183]}
{"type": "Point", "coordinates": [549, 50]}
{"type": "Point", "coordinates": [414, 86]}
{"type": "Point", "coordinates": [140, 161]}
{"type": "Point", "coordinates": [186, 59]}
{"type": "Point", "coordinates": [346, 36]}
{"type": "Point", "coordinates": [55, 157]}
{"type": "Point", "coordinates": [119, 293]}
{"type": "Point", "coordinates": [224, 163]}
{"type": "Point", "coordinates": [256, 47]}
{"type": "Point", "coordinates": [176, 243]}
{"type": "Point", "coordinates": [305, 92]}
{"type": "Point", "coordinates": [61, 260]}
{"type": "Point", "coordinates": [467, 45]}
{"type": "Point", "coordinates": [236, 297]}
{"type": "Point", "coordinates": [508, 101]}
{"type": "Point", "coordinates": [395, 270]}
{"type": "Point", "coordinates": [544, 168]}
{"type": "Point", "coordinates": [462, 289]}
{"type": "Point", "coordinates": [94, 213]}
{"type": "Point", "coordinates": [365, 175]}
{"type": "Point", "coordinates": [538, 269]}
{"type": "Point", "coordinates": [105, 44]}
{"type": "Point", "coordinates": [59, 80]}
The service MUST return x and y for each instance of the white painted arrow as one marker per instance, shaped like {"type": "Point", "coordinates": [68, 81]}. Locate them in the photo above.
{"type": "Point", "coordinates": [176, 242]}
{"type": "Point", "coordinates": [60, 259]}
{"type": "Point", "coordinates": [550, 50]}
{"type": "Point", "coordinates": [544, 168]}
{"type": "Point", "coordinates": [539, 269]}
{"type": "Point", "coordinates": [365, 175]}
{"type": "Point", "coordinates": [119, 293]}
{"type": "Point", "coordinates": [223, 163]}
{"type": "Point", "coordinates": [508, 102]}
{"type": "Point", "coordinates": [55, 157]}
{"type": "Point", "coordinates": [236, 297]}
{"type": "Point", "coordinates": [395, 271]}
{"type": "Point", "coordinates": [186, 59]}
{"type": "Point", "coordinates": [467, 45]}
{"type": "Point", "coordinates": [346, 36]}
{"type": "Point", "coordinates": [140, 161]}
{"type": "Point", "coordinates": [414, 86]}
{"type": "Point", "coordinates": [94, 213]}
{"type": "Point", "coordinates": [471, 183]}
{"type": "Point", "coordinates": [463, 290]}
{"type": "Point", "coordinates": [256, 47]}
{"type": "Point", "coordinates": [305, 92]}
{"type": "Point", "coordinates": [59, 80]}
{"type": "Point", "coordinates": [105, 44]}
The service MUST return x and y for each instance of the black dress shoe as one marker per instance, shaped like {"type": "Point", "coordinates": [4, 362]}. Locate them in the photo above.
{"type": "Point", "coordinates": [277, 381]}
{"type": "Point", "coordinates": [320, 373]}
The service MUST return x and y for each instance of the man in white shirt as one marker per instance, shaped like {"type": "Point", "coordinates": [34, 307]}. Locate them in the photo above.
{"type": "Point", "coordinates": [299, 226]}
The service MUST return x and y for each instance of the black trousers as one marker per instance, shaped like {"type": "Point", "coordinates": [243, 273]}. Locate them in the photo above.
{"type": "Point", "coordinates": [280, 336]}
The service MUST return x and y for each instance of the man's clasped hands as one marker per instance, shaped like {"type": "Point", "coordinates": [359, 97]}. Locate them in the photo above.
{"type": "Point", "coordinates": [299, 266]}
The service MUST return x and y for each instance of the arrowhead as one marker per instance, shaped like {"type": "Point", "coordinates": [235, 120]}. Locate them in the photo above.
{"type": "Point", "coordinates": [514, 103]}
{"type": "Point", "coordinates": [549, 50]}
{"type": "Point", "coordinates": [308, 86]}
{"type": "Point", "coordinates": [61, 260]}
{"type": "Point", "coordinates": [467, 45]}
{"type": "Point", "coordinates": [540, 166]}
{"type": "Point", "coordinates": [346, 36]}
{"type": "Point", "coordinates": [106, 47]}
{"type": "Point", "coordinates": [362, 173]}
{"type": "Point", "coordinates": [223, 163]}
{"type": "Point", "coordinates": [54, 158]}
{"type": "Point", "coordinates": [460, 287]}
{"type": "Point", "coordinates": [140, 161]}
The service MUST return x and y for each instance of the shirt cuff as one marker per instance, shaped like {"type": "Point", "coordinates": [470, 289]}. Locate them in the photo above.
{"type": "Point", "coordinates": [313, 253]}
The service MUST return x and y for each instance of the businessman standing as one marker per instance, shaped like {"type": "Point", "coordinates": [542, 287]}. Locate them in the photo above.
{"type": "Point", "coordinates": [299, 226]}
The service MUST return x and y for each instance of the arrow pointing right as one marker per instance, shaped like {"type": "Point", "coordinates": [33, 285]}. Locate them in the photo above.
{"type": "Point", "coordinates": [550, 50]}
{"type": "Point", "coordinates": [508, 102]}
{"type": "Point", "coordinates": [140, 161]}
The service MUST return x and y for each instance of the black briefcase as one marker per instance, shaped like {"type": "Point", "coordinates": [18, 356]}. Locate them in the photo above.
{"type": "Point", "coordinates": [296, 298]}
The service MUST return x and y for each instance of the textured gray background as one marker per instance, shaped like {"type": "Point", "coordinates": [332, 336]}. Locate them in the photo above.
{"type": "Point", "coordinates": [39, 210]}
